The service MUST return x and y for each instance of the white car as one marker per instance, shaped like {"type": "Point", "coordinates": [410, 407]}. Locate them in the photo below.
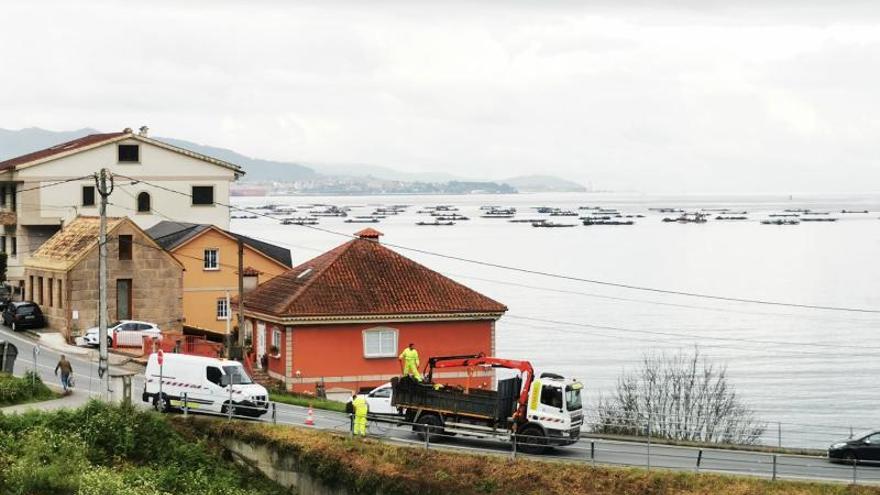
{"type": "Point", "coordinates": [127, 332]}
{"type": "Point", "coordinates": [379, 400]}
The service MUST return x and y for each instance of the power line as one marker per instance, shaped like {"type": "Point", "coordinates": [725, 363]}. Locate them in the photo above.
{"type": "Point", "coordinates": [550, 274]}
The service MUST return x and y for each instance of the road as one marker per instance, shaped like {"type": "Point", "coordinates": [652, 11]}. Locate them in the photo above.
{"type": "Point", "coordinates": [587, 450]}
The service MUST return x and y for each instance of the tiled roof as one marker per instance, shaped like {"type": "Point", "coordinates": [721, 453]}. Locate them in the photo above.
{"type": "Point", "coordinates": [170, 234]}
{"type": "Point", "coordinates": [362, 278]}
{"type": "Point", "coordinates": [70, 243]}
{"type": "Point", "coordinates": [59, 149]}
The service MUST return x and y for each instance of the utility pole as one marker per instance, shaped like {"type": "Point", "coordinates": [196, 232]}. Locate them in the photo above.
{"type": "Point", "coordinates": [228, 326]}
{"type": "Point", "coordinates": [103, 361]}
{"type": "Point", "coordinates": [241, 336]}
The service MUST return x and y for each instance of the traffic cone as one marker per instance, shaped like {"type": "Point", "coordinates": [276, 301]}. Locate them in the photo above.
{"type": "Point", "coordinates": [310, 419]}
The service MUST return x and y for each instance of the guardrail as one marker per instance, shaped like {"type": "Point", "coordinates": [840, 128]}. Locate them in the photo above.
{"type": "Point", "coordinates": [589, 451]}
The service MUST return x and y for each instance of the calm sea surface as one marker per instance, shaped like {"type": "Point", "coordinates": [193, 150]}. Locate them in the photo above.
{"type": "Point", "coordinates": [794, 366]}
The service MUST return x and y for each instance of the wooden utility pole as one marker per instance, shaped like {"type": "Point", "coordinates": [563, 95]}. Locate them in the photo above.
{"type": "Point", "coordinates": [241, 336]}
{"type": "Point", "coordinates": [103, 360]}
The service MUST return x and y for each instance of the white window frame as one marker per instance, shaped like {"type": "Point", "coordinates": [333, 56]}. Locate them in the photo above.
{"type": "Point", "coordinates": [216, 260]}
{"type": "Point", "coordinates": [276, 340]}
{"type": "Point", "coordinates": [372, 336]}
{"type": "Point", "coordinates": [222, 309]}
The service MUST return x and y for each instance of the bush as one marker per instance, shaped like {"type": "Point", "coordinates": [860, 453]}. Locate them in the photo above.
{"type": "Point", "coordinates": [683, 397]}
{"type": "Point", "coordinates": [19, 390]}
{"type": "Point", "coordinates": [100, 449]}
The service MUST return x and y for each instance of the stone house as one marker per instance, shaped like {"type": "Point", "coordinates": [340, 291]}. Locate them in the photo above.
{"type": "Point", "coordinates": [144, 281]}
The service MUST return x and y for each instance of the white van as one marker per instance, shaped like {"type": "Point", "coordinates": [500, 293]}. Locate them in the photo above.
{"type": "Point", "coordinates": [206, 383]}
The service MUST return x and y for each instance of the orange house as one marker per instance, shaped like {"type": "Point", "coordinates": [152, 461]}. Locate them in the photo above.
{"type": "Point", "coordinates": [343, 318]}
{"type": "Point", "coordinates": [210, 259]}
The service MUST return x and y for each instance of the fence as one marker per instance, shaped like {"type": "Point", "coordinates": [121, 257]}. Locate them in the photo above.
{"type": "Point", "coordinates": [589, 451]}
{"type": "Point", "coordinates": [183, 344]}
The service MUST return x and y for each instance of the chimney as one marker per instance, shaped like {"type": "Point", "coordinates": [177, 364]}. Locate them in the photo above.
{"type": "Point", "coordinates": [127, 130]}
{"type": "Point", "coordinates": [368, 233]}
{"type": "Point", "coordinates": [143, 131]}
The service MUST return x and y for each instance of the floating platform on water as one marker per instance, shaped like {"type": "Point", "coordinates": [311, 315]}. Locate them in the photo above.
{"type": "Point", "coordinates": [435, 224]}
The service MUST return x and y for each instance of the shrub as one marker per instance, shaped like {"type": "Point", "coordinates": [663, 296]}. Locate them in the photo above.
{"type": "Point", "coordinates": [18, 390]}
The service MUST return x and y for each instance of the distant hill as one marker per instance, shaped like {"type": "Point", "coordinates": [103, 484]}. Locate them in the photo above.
{"type": "Point", "coordinates": [543, 183]}
{"type": "Point", "coordinates": [18, 142]}
{"type": "Point", "coordinates": [379, 172]}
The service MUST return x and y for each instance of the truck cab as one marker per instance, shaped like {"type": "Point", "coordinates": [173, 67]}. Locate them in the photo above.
{"type": "Point", "coordinates": [555, 404]}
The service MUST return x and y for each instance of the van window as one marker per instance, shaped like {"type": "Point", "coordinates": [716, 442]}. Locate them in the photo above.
{"type": "Point", "coordinates": [214, 375]}
{"type": "Point", "coordinates": [382, 393]}
{"type": "Point", "coordinates": [237, 375]}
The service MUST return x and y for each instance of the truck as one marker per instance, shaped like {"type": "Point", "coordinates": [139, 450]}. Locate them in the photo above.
{"type": "Point", "coordinates": [536, 413]}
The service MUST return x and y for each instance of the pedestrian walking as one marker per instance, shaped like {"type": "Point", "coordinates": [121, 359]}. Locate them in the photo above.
{"type": "Point", "coordinates": [360, 408]}
{"type": "Point", "coordinates": [66, 371]}
{"type": "Point", "coordinates": [409, 362]}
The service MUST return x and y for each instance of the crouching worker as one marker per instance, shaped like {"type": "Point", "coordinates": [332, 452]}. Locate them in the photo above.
{"type": "Point", "coordinates": [409, 362]}
{"type": "Point", "coordinates": [358, 408]}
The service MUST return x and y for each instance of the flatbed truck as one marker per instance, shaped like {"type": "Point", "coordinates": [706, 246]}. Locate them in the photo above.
{"type": "Point", "coordinates": [536, 413]}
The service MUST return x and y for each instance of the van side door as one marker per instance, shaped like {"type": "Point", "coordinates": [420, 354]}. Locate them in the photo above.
{"type": "Point", "coordinates": [212, 391]}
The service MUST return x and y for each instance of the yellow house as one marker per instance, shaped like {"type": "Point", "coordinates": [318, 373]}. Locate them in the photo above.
{"type": "Point", "coordinates": [209, 255]}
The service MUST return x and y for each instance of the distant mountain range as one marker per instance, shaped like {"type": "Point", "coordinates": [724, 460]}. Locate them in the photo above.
{"type": "Point", "coordinates": [18, 142]}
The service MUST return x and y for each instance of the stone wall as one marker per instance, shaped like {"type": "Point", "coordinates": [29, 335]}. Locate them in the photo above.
{"type": "Point", "coordinates": [52, 300]}
{"type": "Point", "coordinates": [157, 287]}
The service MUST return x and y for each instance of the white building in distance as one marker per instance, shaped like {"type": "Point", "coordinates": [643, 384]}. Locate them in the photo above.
{"type": "Point", "coordinates": [153, 181]}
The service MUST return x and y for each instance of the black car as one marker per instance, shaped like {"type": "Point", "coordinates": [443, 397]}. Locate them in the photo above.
{"type": "Point", "coordinates": [23, 314]}
{"type": "Point", "coordinates": [864, 447]}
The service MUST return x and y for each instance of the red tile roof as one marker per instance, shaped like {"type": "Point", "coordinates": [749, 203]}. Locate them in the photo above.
{"type": "Point", "coordinates": [368, 233]}
{"type": "Point", "coordinates": [59, 149]}
{"type": "Point", "coordinates": [364, 278]}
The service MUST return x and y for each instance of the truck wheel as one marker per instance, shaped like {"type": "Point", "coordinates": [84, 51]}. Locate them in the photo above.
{"type": "Point", "coordinates": [429, 424]}
{"type": "Point", "coordinates": [531, 440]}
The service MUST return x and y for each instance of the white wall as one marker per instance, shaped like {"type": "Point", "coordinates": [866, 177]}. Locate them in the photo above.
{"type": "Point", "coordinates": [52, 205]}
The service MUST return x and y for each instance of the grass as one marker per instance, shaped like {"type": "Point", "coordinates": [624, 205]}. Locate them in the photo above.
{"type": "Point", "coordinates": [368, 466]}
{"type": "Point", "coordinates": [22, 390]}
{"type": "Point", "coordinates": [306, 401]}
{"type": "Point", "coordinates": [765, 449]}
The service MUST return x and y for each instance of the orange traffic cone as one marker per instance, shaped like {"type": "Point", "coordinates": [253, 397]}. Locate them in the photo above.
{"type": "Point", "coordinates": [310, 419]}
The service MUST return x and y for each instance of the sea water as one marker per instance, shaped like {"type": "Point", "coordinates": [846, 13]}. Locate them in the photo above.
{"type": "Point", "coordinates": [811, 370]}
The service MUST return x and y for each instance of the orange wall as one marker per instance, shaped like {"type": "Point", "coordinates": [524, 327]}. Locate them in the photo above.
{"type": "Point", "coordinates": [338, 350]}
{"type": "Point", "coordinates": [202, 288]}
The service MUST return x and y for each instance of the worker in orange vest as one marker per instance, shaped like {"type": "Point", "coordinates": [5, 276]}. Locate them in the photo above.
{"type": "Point", "coordinates": [409, 362]}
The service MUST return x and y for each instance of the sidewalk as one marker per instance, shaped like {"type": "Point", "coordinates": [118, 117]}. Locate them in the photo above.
{"type": "Point", "coordinates": [56, 342]}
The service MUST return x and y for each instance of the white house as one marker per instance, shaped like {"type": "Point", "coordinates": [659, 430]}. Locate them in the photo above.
{"type": "Point", "coordinates": [34, 205]}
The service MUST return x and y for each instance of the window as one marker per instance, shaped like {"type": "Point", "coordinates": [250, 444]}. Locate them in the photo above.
{"type": "Point", "coordinates": [123, 299]}
{"type": "Point", "coordinates": [39, 290]}
{"type": "Point", "coordinates": [2, 244]}
{"type": "Point", "coordinates": [31, 289]}
{"type": "Point", "coordinates": [276, 340]}
{"type": "Point", "coordinates": [88, 196]}
{"type": "Point", "coordinates": [380, 342]}
{"type": "Point", "coordinates": [382, 393]}
{"type": "Point", "coordinates": [14, 245]}
{"type": "Point", "coordinates": [212, 259]}
{"type": "Point", "coordinates": [51, 292]}
{"type": "Point", "coordinates": [551, 396]}
{"type": "Point", "coordinates": [60, 294]}
{"type": "Point", "coordinates": [214, 375]}
{"type": "Point", "coordinates": [202, 195]}
{"type": "Point", "coordinates": [129, 153]}
{"type": "Point", "coordinates": [125, 245]}
{"type": "Point", "coordinates": [143, 201]}
{"type": "Point", "coordinates": [222, 309]}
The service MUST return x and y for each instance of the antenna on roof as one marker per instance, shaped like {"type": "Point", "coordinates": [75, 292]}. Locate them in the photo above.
{"type": "Point", "coordinates": [143, 131]}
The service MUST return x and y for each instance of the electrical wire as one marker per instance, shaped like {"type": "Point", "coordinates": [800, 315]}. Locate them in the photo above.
{"type": "Point", "coordinates": [548, 274]}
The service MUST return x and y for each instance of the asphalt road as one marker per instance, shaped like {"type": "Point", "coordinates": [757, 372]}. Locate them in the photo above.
{"type": "Point", "coordinates": [587, 450]}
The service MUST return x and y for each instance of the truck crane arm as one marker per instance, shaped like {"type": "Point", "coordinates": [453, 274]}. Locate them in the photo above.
{"type": "Point", "coordinates": [481, 360]}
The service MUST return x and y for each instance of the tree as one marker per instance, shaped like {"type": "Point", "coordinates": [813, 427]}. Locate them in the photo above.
{"type": "Point", "coordinates": [683, 397]}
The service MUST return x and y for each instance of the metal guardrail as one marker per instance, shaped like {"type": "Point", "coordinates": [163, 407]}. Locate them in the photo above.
{"type": "Point", "coordinates": [590, 451]}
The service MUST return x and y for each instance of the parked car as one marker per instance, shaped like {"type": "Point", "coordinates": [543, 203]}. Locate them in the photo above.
{"type": "Point", "coordinates": [864, 447]}
{"type": "Point", "coordinates": [379, 400]}
{"type": "Point", "coordinates": [5, 296]}
{"type": "Point", "coordinates": [130, 332]}
{"type": "Point", "coordinates": [19, 315]}
{"type": "Point", "coordinates": [206, 382]}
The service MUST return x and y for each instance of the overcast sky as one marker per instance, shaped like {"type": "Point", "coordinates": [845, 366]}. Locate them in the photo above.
{"type": "Point", "coordinates": [696, 96]}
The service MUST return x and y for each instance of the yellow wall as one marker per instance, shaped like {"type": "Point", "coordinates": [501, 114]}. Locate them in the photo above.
{"type": "Point", "coordinates": [202, 288]}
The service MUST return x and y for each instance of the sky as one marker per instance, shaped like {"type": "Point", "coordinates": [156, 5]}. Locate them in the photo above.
{"type": "Point", "coordinates": [683, 96]}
